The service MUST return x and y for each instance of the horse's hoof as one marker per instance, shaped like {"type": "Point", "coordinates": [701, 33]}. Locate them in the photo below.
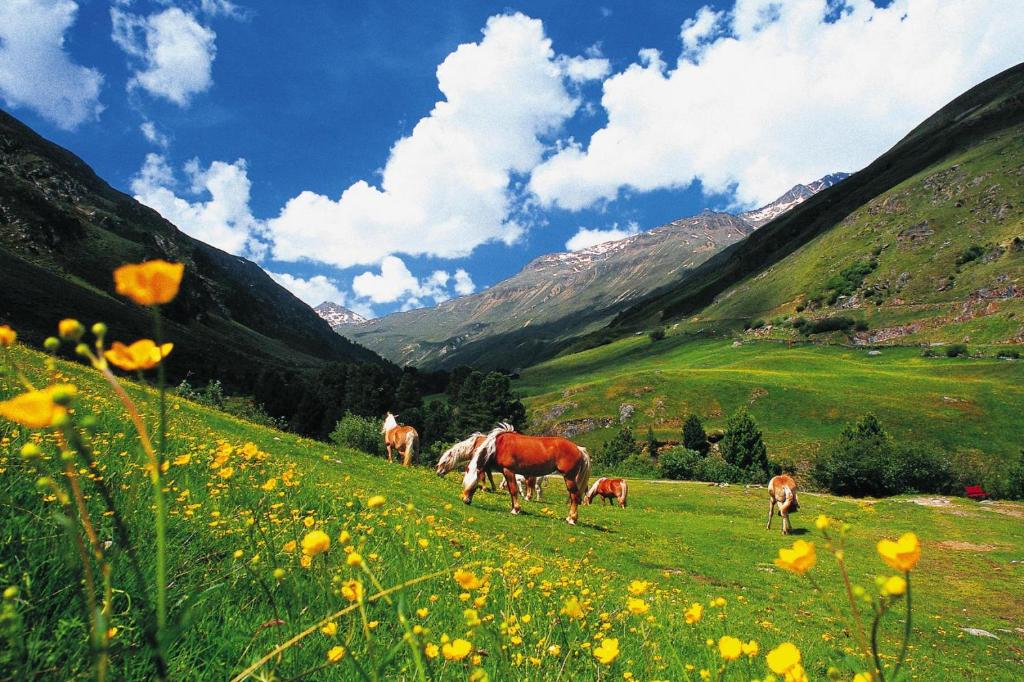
{"type": "Point", "coordinates": [515, 511]}
{"type": "Point", "coordinates": [571, 521]}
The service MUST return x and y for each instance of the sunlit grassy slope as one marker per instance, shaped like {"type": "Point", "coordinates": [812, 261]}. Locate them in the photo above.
{"type": "Point", "coordinates": [692, 542]}
{"type": "Point", "coordinates": [801, 396]}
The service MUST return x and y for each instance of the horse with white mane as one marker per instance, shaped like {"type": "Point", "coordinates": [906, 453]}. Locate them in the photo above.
{"type": "Point", "coordinates": [459, 455]}
{"type": "Point", "coordinates": [402, 438]}
{"type": "Point", "coordinates": [782, 494]}
{"type": "Point", "coordinates": [512, 453]}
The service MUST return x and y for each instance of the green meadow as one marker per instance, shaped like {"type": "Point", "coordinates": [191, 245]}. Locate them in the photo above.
{"type": "Point", "coordinates": [800, 395]}
{"type": "Point", "coordinates": [543, 596]}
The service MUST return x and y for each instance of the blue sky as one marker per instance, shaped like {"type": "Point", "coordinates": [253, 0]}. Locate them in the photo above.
{"type": "Point", "coordinates": [390, 155]}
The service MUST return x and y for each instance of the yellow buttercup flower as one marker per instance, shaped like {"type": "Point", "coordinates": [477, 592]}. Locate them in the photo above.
{"type": "Point", "coordinates": [467, 580]}
{"type": "Point", "coordinates": [903, 554]}
{"type": "Point", "coordinates": [822, 522]}
{"type": "Point", "coordinates": [637, 607]}
{"type": "Point", "coordinates": [638, 587]}
{"type": "Point", "coordinates": [143, 354]}
{"type": "Point", "coordinates": [572, 608]}
{"type": "Point", "coordinates": [289, 546]}
{"type": "Point", "coordinates": [472, 618]}
{"type": "Point", "coordinates": [430, 650]}
{"type": "Point", "coordinates": [456, 650]}
{"type": "Point", "coordinates": [352, 590]}
{"type": "Point", "coordinates": [315, 542]}
{"type": "Point", "coordinates": [800, 559]}
{"type": "Point", "coordinates": [335, 654]}
{"type": "Point", "coordinates": [70, 330]}
{"type": "Point", "coordinates": [330, 629]}
{"type": "Point", "coordinates": [751, 648]}
{"type": "Point", "coordinates": [607, 651]}
{"type": "Point", "coordinates": [863, 677]}
{"type": "Point", "coordinates": [694, 613]}
{"type": "Point", "coordinates": [783, 658]}
{"type": "Point", "coordinates": [479, 675]}
{"type": "Point", "coordinates": [270, 484]}
{"type": "Point", "coordinates": [7, 336]}
{"type": "Point", "coordinates": [38, 409]}
{"type": "Point", "coordinates": [730, 648]}
{"type": "Point", "coordinates": [354, 559]}
{"type": "Point", "coordinates": [376, 501]}
{"type": "Point", "coordinates": [150, 283]}
{"type": "Point", "coordinates": [894, 586]}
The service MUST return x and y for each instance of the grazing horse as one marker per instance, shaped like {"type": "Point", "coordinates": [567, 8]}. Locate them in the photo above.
{"type": "Point", "coordinates": [458, 456]}
{"type": "Point", "coordinates": [782, 494]}
{"type": "Point", "coordinates": [533, 485]}
{"type": "Point", "coordinates": [513, 453]}
{"type": "Point", "coordinates": [608, 489]}
{"type": "Point", "coordinates": [402, 438]}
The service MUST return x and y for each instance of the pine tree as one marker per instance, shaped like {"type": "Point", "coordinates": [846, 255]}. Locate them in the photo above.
{"type": "Point", "coordinates": [694, 436]}
{"type": "Point", "coordinates": [743, 446]}
{"type": "Point", "coordinates": [652, 442]}
{"type": "Point", "coordinates": [407, 395]}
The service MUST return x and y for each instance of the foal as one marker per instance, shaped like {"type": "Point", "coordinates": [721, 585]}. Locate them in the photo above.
{"type": "Point", "coordinates": [782, 494]}
{"type": "Point", "coordinates": [608, 489]}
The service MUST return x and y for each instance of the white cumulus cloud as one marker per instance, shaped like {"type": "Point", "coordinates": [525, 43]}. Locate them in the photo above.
{"type": "Point", "coordinates": [464, 285]}
{"type": "Point", "coordinates": [775, 93]}
{"type": "Point", "coordinates": [224, 220]}
{"type": "Point", "coordinates": [153, 135]}
{"type": "Point", "coordinates": [395, 282]}
{"type": "Point", "coordinates": [447, 187]}
{"type": "Point", "coordinates": [319, 288]}
{"type": "Point", "coordinates": [172, 52]}
{"type": "Point", "coordinates": [586, 237]}
{"type": "Point", "coordinates": [35, 69]}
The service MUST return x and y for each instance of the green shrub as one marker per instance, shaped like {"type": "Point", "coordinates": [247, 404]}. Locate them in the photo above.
{"type": "Point", "coordinates": [956, 350]}
{"type": "Point", "coordinates": [638, 465]}
{"type": "Point", "coordinates": [828, 324]}
{"type": "Point", "coordinates": [657, 334]}
{"type": "Point", "coordinates": [359, 433]}
{"type": "Point", "coordinates": [860, 325]}
{"type": "Point", "coordinates": [743, 446]}
{"type": "Point", "coordinates": [849, 280]}
{"type": "Point", "coordinates": [972, 252]}
{"type": "Point", "coordinates": [679, 464]}
{"type": "Point", "coordinates": [1008, 355]}
{"type": "Point", "coordinates": [694, 436]}
{"type": "Point", "coordinates": [717, 470]}
{"type": "Point", "coordinates": [618, 448]}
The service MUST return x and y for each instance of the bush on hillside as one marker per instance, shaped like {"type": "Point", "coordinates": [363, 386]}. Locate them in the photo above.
{"type": "Point", "coordinates": [359, 433]}
{"type": "Point", "coordinates": [618, 448]}
{"type": "Point", "coordinates": [679, 464]}
{"type": "Point", "coordinates": [716, 470]}
{"type": "Point", "coordinates": [657, 334]}
{"type": "Point", "coordinates": [972, 252]}
{"type": "Point", "coordinates": [956, 350]}
{"type": "Point", "coordinates": [867, 461]}
{"type": "Point", "coordinates": [694, 436]}
{"type": "Point", "coordinates": [827, 324]}
{"type": "Point", "coordinates": [744, 448]}
{"type": "Point", "coordinates": [638, 465]}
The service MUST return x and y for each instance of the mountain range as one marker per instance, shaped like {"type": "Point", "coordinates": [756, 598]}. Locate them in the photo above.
{"type": "Point", "coordinates": [559, 295]}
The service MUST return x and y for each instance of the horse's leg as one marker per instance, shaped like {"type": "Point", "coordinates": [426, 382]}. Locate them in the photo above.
{"type": "Point", "coordinates": [574, 499]}
{"type": "Point", "coordinates": [531, 487]}
{"type": "Point", "coordinates": [771, 512]}
{"type": "Point", "coordinates": [389, 452]}
{"type": "Point", "coordinates": [513, 490]}
{"type": "Point", "coordinates": [784, 513]}
{"type": "Point", "coordinates": [490, 479]}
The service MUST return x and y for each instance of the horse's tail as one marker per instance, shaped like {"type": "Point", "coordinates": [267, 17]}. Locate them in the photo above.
{"type": "Point", "coordinates": [412, 445]}
{"type": "Point", "coordinates": [625, 492]}
{"type": "Point", "coordinates": [583, 475]}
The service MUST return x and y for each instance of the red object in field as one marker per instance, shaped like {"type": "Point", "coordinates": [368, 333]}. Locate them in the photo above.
{"type": "Point", "coordinates": [976, 492]}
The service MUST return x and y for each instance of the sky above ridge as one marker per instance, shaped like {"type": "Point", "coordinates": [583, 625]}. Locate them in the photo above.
{"type": "Point", "coordinates": [392, 155]}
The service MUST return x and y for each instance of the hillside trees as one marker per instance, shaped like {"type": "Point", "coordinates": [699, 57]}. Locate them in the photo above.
{"type": "Point", "coordinates": [743, 446]}
{"type": "Point", "coordinates": [694, 436]}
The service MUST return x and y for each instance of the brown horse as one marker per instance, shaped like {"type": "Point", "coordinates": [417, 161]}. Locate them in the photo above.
{"type": "Point", "coordinates": [608, 489]}
{"type": "Point", "coordinates": [782, 494]}
{"type": "Point", "coordinates": [513, 453]}
{"type": "Point", "coordinates": [460, 454]}
{"type": "Point", "coordinates": [402, 438]}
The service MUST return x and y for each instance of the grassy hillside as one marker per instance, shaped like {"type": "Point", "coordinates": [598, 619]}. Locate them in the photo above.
{"type": "Point", "coordinates": [986, 119]}
{"type": "Point", "coordinates": [244, 590]}
{"type": "Point", "coordinates": [801, 396]}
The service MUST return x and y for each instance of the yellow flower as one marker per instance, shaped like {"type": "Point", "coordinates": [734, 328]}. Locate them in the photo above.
{"type": "Point", "coordinates": [638, 587]}
{"type": "Point", "coordinates": [308, 522]}
{"type": "Point", "coordinates": [70, 330]}
{"type": "Point", "coordinates": [554, 650]}
{"type": "Point", "coordinates": [730, 648]}
{"type": "Point", "coordinates": [799, 559]}
{"type": "Point", "coordinates": [7, 336]}
{"type": "Point", "coordinates": [37, 409]}
{"type": "Point", "coordinates": [467, 580]}
{"type": "Point", "coordinates": [456, 650]}
{"type": "Point", "coordinates": [143, 354]}
{"type": "Point", "coordinates": [150, 283]}
{"type": "Point", "coordinates": [289, 546]}
{"type": "Point", "coordinates": [637, 607]}
{"type": "Point", "coordinates": [894, 586]}
{"type": "Point", "coordinates": [352, 590]}
{"type": "Point", "coordinates": [607, 651]}
{"type": "Point", "coordinates": [430, 650]}
{"type": "Point", "coordinates": [479, 675]}
{"type": "Point", "coordinates": [751, 648]}
{"type": "Point", "coordinates": [572, 608]}
{"type": "Point", "coordinates": [821, 523]}
{"type": "Point", "coordinates": [422, 613]}
{"type": "Point", "coordinates": [694, 613]}
{"type": "Point", "coordinates": [354, 559]}
{"type": "Point", "coordinates": [783, 658]}
{"type": "Point", "coordinates": [376, 501]}
{"type": "Point", "coordinates": [344, 537]}
{"type": "Point", "coordinates": [315, 542]}
{"type": "Point", "coordinates": [305, 561]}
{"type": "Point", "coordinates": [423, 543]}
{"type": "Point", "coordinates": [863, 677]}
{"type": "Point", "coordinates": [269, 485]}
{"type": "Point", "coordinates": [335, 654]}
{"type": "Point", "coordinates": [902, 554]}
{"type": "Point", "coordinates": [330, 629]}
{"type": "Point", "coordinates": [182, 460]}
{"type": "Point", "coordinates": [226, 472]}
{"type": "Point", "coordinates": [472, 618]}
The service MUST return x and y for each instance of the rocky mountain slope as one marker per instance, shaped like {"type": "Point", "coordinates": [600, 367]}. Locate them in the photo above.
{"type": "Point", "coordinates": [337, 315]}
{"type": "Point", "coordinates": [63, 230]}
{"type": "Point", "coordinates": [563, 294]}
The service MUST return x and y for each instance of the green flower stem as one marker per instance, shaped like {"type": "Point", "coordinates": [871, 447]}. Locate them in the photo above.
{"type": "Point", "coordinates": [161, 504]}
{"type": "Point", "coordinates": [906, 632]}
{"type": "Point", "coordinates": [874, 643]}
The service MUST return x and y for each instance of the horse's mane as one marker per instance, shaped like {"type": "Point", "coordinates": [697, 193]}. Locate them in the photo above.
{"type": "Point", "coordinates": [593, 489]}
{"type": "Point", "coordinates": [489, 449]}
{"type": "Point", "coordinates": [460, 452]}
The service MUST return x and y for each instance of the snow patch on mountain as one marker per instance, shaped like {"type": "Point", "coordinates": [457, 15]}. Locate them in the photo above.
{"type": "Point", "coordinates": [337, 315]}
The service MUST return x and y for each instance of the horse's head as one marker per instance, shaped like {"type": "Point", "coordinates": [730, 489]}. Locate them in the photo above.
{"type": "Point", "coordinates": [470, 482]}
{"type": "Point", "coordinates": [390, 422]}
{"type": "Point", "coordinates": [447, 461]}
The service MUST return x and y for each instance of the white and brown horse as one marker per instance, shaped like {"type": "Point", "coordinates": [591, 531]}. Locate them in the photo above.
{"type": "Point", "coordinates": [513, 453]}
{"type": "Point", "coordinates": [608, 489]}
{"type": "Point", "coordinates": [459, 455]}
{"type": "Point", "coordinates": [402, 438]}
{"type": "Point", "coordinates": [532, 485]}
{"type": "Point", "coordinates": [782, 494]}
